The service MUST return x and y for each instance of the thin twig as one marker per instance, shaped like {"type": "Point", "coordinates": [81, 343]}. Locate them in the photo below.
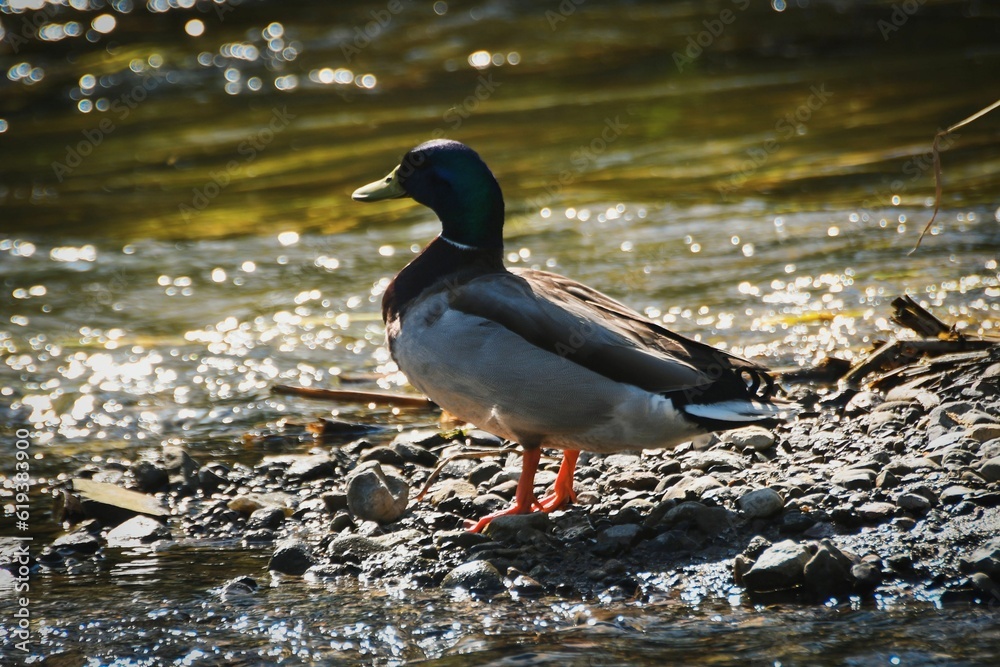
{"type": "Point", "coordinates": [481, 454]}
{"type": "Point", "coordinates": [936, 150]}
{"type": "Point", "coordinates": [344, 396]}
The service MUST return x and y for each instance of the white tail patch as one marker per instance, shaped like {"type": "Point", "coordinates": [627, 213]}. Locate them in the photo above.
{"type": "Point", "coordinates": [740, 411]}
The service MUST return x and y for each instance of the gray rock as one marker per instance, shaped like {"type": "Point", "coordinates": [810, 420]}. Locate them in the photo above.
{"type": "Point", "coordinates": [148, 476]}
{"type": "Point", "coordinates": [990, 470]}
{"type": "Point", "coordinates": [421, 437]}
{"type": "Point", "coordinates": [411, 453]}
{"type": "Point", "coordinates": [458, 539]}
{"type": "Point", "coordinates": [136, 531]}
{"type": "Point", "coordinates": [291, 557]}
{"type": "Point", "coordinates": [79, 541]}
{"type": "Point", "coordinates": [696, 486]}
{"type": "Point", "coordinates": [614, 539]}
{"type": "Point", "coordinates": [856, 479]}
{"type": "Point", "coordinates": [451, 488]}
{"type": "Point", "coordinates": [267, 518]}
{"type": "Point", "coordinates": [509, 528]}
{"type": "Point", "coordinates": [940, 421]}
{"type": "Point", "coordinates": [754, 437]}
{"type": "Point", "coordinates": [483, 472]}
{"type": "Point", "coordinates": [985, 559]}
{"type": "Point", "coordinates": [779, 568]}
{"type": "Point", "coordinates": [311, 466]}
{"type": "Point", "coordinates": [354, 548]}
{"type": "Point", "coordinates": [761, 503]}
{"type": "Point", "coordinates": [479, 576]}
{"type": "Point", "coordinates": [867, 575]}
{"type": "Point", "coordinates": [633, 480]}
{"type": "Point", "coordinates": [876, 512]}
{"type": "Point", "coordinates": [984, 432]}
{"type": "Point", "coordinates": [715, 458]}
{"type": "Point", "coordinates": [709, 520]}
{"type": "Point", "coordinates": [990, 449]}
{"type": "Point", "coordinates": [828, 573]}
{"type": "Point", "coordinates": [913, 502]}
{"type": "Point", "coordinates": [955, 494]}
{"type": "Point", "coordinates": [373, 495]}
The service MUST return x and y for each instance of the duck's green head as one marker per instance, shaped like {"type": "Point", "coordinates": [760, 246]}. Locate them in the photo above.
{"type": "Point", "coordinates": [452, 180]}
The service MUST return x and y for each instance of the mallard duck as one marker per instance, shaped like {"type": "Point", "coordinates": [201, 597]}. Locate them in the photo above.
{"type": "Point", "coordinates": [537, 358]}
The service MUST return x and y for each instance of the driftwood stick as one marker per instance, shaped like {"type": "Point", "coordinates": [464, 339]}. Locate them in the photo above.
{"type": "Point", "coordinates": [345, 396]}
{"type": "Point", "coordinates": [455, 457]}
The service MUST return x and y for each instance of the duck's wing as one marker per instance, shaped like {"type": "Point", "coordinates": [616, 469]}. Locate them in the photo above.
{"type": "Point", "coordinates": [593, 330]}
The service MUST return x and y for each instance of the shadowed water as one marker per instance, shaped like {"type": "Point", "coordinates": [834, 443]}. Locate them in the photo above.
{"type": "Point", "coordinates": [177, 235]}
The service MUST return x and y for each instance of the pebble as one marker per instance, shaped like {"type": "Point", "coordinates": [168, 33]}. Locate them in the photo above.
{"type": "Point", "coordinates": [876, 512]}
{"type": "Point", "coordinates": [914, 502]}
{"type": "Point", "coordinates": [954, 494]}
{"type": "Point", "coordinates": [137, 530]}
{"type": "Point", "coordinates": [695, 486]}
{"type": "Point", "coordinates": [780, 567]}
{"type": "Point", "coordinates": [990, 470]}
{"type": "Point", "coordinates": [291, 557]}
{"type": "Point", "coordinates": [478, 576]}
{"type": "Point", "coordinates": [716, 458]}
{"type": "Point", "coordinates": [451, 488]}
{"type": "Point", "coordinates": [754, 437]}
{"type": "Point", "coordinates": [374, 495]}
{"type": "Point", "coordinates": [761, 503]}
{"type": "Point", "coordinates": [859, 479]}
{"type": "Point", "coordinates": [311, 466]}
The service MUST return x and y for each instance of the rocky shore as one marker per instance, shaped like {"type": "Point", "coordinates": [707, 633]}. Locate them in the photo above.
{"type": "Point", "coordinates": [891, 493]}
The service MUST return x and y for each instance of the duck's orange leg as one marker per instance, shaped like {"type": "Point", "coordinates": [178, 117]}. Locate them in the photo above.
{"type": "Point", "coordinates": [562, 491]}
{"type": "Point", "coordinates": [524, 497]}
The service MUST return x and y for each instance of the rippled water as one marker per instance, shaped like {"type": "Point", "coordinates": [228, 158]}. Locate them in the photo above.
{"type": "Point", "coordinates": [176, 235]}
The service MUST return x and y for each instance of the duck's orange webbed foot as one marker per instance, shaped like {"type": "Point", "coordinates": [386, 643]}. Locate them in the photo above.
{"type": "Point", "coordinates": [524, 498]}
{"type": "Point", "coordinates": [562, 491]}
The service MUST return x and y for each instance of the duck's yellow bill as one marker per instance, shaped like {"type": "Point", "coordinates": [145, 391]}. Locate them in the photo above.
{"type": "Point", "coordinates": [386, 188]}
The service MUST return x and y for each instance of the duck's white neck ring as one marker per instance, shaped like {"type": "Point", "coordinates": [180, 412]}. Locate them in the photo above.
{"type": "Point", "coordinates": [456, 244]}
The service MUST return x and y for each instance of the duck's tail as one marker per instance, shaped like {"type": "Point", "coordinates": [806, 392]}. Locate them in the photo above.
{"type": "Point", "coordinates": [734, 413]}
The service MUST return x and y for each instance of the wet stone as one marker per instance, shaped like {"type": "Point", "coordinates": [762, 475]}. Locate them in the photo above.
{"type": "Point", "coordinates": [311, 466]}
{"type": "Point", "coordinates": [796, 522]}
{"type": "Point", "coordinates": [415, 454]}
{"type": "Point", "coordinates": [354, 548]}
{"type": "Point", "coordinates": [269, 518]}
{"type": "Point", "coordinates": [985, 559]}
{"type": "Point", "coordinates": [149, 477]}
{"type": "Point", "coordinates": [137, 530]}
{"type": "Point", "coordinates": [828, 573]}
{"type": "Point", "coordinates": [616, 538]}
{"type": "Point", "coordinates": [458, 539]}
{"type": "Point", "coordinates": [259, 536]}
{"type": "Point", "coordinates": [291, 557]}
{"type": "Point", "coordinates": [867, 575]}
{"type": "Point", "coordinates": [387, 455]}
{"type": "Point", "coordinates": [507, 528]}
{"type": "Point", "coordinates": [635, 480]}
{"type": "Point", "coordinates": [78, 542]}
{"type": "Point", "coordinates": [779, 568]}
{"type": "Point", "coordinates": [479, 576]}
